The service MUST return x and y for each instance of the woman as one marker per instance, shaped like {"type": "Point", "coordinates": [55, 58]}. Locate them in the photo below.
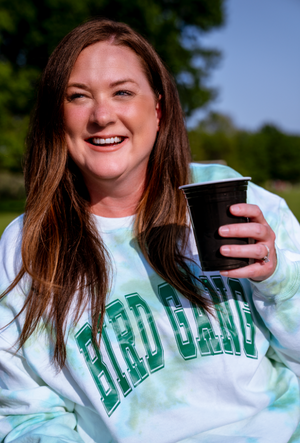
{"type": "Point", "coordinates": [111, 332]}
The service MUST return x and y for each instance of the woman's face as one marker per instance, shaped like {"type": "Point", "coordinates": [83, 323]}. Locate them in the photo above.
{"type": "Point", "coordinates": [111, 116]}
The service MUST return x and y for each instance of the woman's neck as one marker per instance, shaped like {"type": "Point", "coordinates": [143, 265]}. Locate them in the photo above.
{"type": "Point", "coordinates": [115, 201]}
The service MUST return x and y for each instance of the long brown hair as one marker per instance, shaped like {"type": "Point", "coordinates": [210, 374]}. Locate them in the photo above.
{"type": "Point", "coordinates": [62, 251]}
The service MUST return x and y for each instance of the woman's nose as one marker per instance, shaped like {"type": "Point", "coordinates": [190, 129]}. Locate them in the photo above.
{"type": "Point", "coordinates": [102, 113]}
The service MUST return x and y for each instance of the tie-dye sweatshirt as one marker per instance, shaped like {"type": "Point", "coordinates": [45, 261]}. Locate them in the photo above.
{"type": "Point", "coordinates": [166, 371]}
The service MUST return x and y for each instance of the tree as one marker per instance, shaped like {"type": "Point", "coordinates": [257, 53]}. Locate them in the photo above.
{"type": "Point", "coordinates": [30, 30]}
{"type": "Point", "coordinates": [214, 139]}
{"type": "Point", "coordinates": [267, 154]}
{"type": "Point", "coordinates": [284, 154]}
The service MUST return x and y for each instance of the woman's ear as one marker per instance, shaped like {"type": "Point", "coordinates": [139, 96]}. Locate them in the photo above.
{"type": "Point", "coordinates": [158, 111]}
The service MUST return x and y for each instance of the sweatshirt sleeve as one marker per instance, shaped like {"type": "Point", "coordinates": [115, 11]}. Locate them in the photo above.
{"type": "Point", "coordinates": [30, 411]}
{"type": "Point", "coordinates": [277, 299]}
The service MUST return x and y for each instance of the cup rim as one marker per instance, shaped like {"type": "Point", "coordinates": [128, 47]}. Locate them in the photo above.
{"type": "Point", "coordinates": [226, 180]}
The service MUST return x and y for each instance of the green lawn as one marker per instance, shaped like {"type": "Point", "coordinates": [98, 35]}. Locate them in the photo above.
{"type": "Point", "coordinates": [5, 219]}
{"type": "Point", "coordinates": [10, 210]}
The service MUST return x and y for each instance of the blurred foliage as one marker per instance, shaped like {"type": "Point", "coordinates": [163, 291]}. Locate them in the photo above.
{"type": "Point", "coordinates": [267, 154]}
{"type": "Point", "coordinates": [16, 97]}
{"type": "Point", "coordinates": [30, 30]}
{"type": "Point", "coordinates": [11, 187]}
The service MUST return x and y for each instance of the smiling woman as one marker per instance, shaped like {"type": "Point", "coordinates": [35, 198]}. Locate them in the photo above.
{"type": "Point", "coordinates": [110, 331]}
{"type": "Point", "coordinates": [108, 101]}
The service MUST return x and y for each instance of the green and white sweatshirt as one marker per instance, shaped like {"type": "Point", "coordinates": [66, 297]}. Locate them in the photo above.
{"type": "Point", "coordinates": [166, 371]}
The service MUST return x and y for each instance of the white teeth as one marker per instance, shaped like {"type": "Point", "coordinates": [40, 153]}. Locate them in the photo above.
{"type": "Point", "coordinates": [106, 141]}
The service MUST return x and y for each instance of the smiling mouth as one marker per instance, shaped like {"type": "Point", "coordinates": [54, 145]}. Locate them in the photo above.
{"type": "Point", "coordinates": [97, 141]}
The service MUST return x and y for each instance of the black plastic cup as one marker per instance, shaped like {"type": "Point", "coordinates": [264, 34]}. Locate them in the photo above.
{"type": "Point", "coordinates": [209, 205]}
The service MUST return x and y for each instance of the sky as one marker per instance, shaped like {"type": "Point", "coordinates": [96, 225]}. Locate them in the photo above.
{"type": "Point", "coordinates": [259, 75]}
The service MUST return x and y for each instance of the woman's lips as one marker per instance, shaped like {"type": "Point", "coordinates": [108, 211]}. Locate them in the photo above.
{"type": "Point", "coordinates": [108, 141]}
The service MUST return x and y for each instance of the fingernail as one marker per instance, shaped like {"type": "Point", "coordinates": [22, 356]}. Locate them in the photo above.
{"type": "Point", "coordinates": [224, 273]}
{"type": "Point", "coordinates": [224, 230]}
{"type": "Point", "coordinates": [225, 250]}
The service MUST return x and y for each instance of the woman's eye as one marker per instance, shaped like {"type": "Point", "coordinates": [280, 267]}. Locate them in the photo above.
{"type": "Point", "coordinates": [123, 93]}
{"type": "Point", "coordinates": [74, 96]}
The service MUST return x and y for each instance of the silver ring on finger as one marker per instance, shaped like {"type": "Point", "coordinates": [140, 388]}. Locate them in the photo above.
{"type": "Point", "coordinates": [266, 257]}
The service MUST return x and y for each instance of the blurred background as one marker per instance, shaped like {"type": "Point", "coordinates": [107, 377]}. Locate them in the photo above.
{"type": "Point", "coordinates": [236, 64]}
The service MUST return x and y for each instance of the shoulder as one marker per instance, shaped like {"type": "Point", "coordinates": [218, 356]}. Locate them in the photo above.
{"type": "Point", "coordinates": [255, 195]}
{"type": "Point", "coordinates": [263, 198]}
{"type": "Point", "coordinates": [10, 252]}
{"type": "Point", "coordinates": [278, 215]}
{"type": "Point", "coordinates": [12, 235]}
{"type": "Point", "coordinates": [10, 265]}
{"type": "Point", "coordinates": [202, 172]}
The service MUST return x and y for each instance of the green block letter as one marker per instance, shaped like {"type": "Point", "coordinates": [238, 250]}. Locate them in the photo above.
{"type": "Point", "coordinates": [178, 321]}
{"type": "Point", "coordinates": [124, 333]}
{"type": "Point", "coordinates": [230, 338]}
{"type": "Point", "coordinates": [155, 357]}
{"type": "Point", "coordinates": [208, 341]}
{"type": "Point", "coordinates": [245, 317]}
{"type": "Point", "coordinates": [121, 377]}
{"type": "Point", "coordinates": [101, 376]}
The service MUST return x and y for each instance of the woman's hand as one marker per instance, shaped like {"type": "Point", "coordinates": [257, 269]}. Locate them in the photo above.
{"type": "Point", "coordinates": [259, 230]}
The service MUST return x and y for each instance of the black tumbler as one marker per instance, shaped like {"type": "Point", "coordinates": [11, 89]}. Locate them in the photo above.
{"type": "Point", "coordinates": [209, 205]}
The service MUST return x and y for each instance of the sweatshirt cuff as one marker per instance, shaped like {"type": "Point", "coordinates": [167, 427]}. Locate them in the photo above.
{"type": "Point", "coordinates": [283, 283]}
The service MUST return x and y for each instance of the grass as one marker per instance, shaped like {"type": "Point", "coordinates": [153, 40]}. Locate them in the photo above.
{"type": "Point", "coordinates": [9, 210]}
{"type": "Point", "coordinates": [5, 220]}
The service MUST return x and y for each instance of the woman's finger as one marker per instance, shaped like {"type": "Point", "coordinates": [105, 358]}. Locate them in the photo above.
{"type": "Point", "coordinates": [245, 230]}
{"type": "Point", "coordinates": [262, 251]}
{"type": "Point", "coordinates": [257, 251]}
{"type": "Point", "coordinates": [247, 210]}
{"type": "Point", "coordinates": [258, 271]}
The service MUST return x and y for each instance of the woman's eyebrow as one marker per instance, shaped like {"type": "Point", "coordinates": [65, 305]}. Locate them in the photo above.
{"type": "Point", "coordinates": [78, 85]}
{"type": "Point", "coordinates": [112, 84]}
{"type": "Point", "coordinates": [120, 82]}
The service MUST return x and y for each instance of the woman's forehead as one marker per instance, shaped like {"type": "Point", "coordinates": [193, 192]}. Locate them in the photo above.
{"type": "Point", "coordinates": [108, 62]}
